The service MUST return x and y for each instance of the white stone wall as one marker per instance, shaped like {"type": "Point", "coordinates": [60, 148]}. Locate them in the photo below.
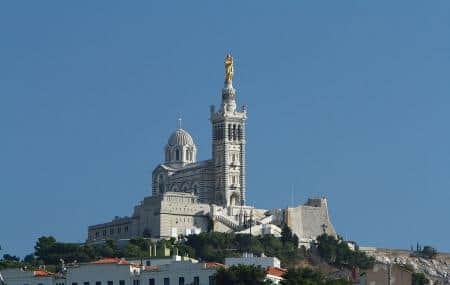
{"type": "Point", "coordinates": [174, 271]}
{"type": "Point", "coordinates": [181, 214]}
{"type": "Point", "coordinates": [94, 273]}
{"type": "Point", "coordinates": [249, 259]}
{"type": "Point", "coordinates": [119, 228]}
{"type": "Point", "coordinates": [134, 275]}
{"type": "Point", "coordinates": [310, 220]}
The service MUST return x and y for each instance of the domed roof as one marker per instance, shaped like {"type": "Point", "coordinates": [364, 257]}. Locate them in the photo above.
{"type": "Point", "coordinates": [180, 137]}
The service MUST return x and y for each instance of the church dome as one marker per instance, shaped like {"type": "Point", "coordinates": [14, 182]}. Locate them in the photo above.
{"type": "Point", "coordinates": [180, 149]}
{"type": "Point", "coordinates": [180, 138]}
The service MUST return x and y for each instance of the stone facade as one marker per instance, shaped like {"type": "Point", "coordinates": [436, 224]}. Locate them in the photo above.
{"type": "Point", "coordinates": [190, 196]}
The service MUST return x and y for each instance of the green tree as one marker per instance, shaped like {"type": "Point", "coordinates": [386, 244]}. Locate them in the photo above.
{"type": "Point", "coordinates": [44, 247]}
{"type": "Point", "coordinates": [132, 250]}
{"type": "Point", "coordinates": [8, 257]}
{"type": "Point", "coordinates": [30, 259]}
{"type": "Point", "coordinates": [288, 236]}
{"type": "Point", "coordinates": [241, 275]}
{"type": "Point", "coordinates": [10, 261]}
{"type": "Point", "coordinates": [143, 244]}
{"type": "Point", "coordinates": [302, 276]}
{"type": "Point", "coordinates": [337, 252]}
{"type": "Point", "coordinates": [419, 279]}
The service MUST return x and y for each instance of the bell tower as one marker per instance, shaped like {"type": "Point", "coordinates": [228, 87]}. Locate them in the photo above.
{"type": "Point", "coordinates": [228, 144]}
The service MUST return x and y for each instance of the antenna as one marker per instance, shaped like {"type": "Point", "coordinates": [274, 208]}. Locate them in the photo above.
{"type": "Point", "coordinates": [292, 196]}
{"type": "Point", "coordinates": [179, 121]}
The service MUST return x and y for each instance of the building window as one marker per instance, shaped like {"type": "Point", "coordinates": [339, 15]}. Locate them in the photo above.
{"type": "Point", "coordinates": [121, 282]}
{"type": "Point", "coordinates": [167, 155]}
{"type": "Point", "coordinates": [151, 281]}
{"type": "Point", "coordinates": [177, 155]}
{"type": "Point", "coordinates": [111, 231]}
{"type": "Point", "coordinates": [126, 229]}
{"type": "Point", "coordinates": [166, 281]}
{"type": "Point", "coordinates": [196, 280]}
{"type": "Point", "coordinates": [195, 189]}
{"type": "Point", "coordinates": [181, 281]}
{"type": "Point", "coordinates": [161, 183]}
{"type": "Point", "coordinates": [85, 283]}
{"type": "Point", "coordinates": [74, 283]}
{"type": "Point", "coordinates": [135, 282]}
{"type": "Point", "coordinates": [212, 281]}
{"type": "Point", "coordinates": [97, 234]}
{"type": "Point", "coordinates": [110, 283]}
{"type": "Point", "coordinates": [104, 232]}
{"type": "Point", "coordinates": [119, 230]}
{"type": "Point", "coordinates": [98, 283]}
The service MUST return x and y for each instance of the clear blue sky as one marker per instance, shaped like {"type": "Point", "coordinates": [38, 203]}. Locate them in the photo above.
{"type": "Point", "coordinates": [347, 99]}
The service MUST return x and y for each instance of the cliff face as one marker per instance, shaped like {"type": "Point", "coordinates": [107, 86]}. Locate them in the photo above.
{"type": "Point", "coordinates": [437, 269]}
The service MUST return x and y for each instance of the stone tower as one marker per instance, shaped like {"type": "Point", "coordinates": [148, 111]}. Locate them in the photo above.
{"type": "Point", "coordinates": [228, 145]}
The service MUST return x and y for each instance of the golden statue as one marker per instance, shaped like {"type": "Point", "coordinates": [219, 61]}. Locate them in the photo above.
{"type": "Point", "coordinates": [229, 70]}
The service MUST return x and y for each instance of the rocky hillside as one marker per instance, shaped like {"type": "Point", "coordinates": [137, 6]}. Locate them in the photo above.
{"type": "Point", "coordinates": [436, 269]}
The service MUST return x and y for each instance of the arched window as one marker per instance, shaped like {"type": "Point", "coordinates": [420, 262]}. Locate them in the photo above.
{"type": "Point", "coordinates": [234, 199]}
{"type": "Point", "coordinates": [195, 189]}
{"type": "Point", "coordinates": [177, 154]}
{"type": "Point", "coordinates": [187, 155]}
{"type": "Point", "coordinates": [161, 183]}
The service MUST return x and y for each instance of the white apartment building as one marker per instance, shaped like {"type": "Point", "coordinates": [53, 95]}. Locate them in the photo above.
{"type": "Point", "coordinates": [114, 271]}
{"type": "Point", "coordinates": [19, 276]}
{"type": "Point", "coordinates": [250, 259]}
{"type": "Point", "coordinates": [175, 270]}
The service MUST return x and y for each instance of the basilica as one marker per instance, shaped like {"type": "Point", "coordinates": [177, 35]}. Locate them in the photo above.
{"type": "Point", "coordinates": [190, 196]}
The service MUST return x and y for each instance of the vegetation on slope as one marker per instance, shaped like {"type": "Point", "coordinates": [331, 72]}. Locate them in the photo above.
{"type": "Point", "coordinates": [337, 252]}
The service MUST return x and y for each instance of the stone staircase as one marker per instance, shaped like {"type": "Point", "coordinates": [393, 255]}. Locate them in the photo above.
{"type": "Point", "coordinates": [229, 222]}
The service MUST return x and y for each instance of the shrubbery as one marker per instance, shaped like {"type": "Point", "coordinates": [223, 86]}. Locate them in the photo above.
{"type": "Point", "coordinates": [308, 276]}
{"type": "Point", "coordinates": [241, 274]}
{"type": "Point", "coordinates": [216, 246]}
{"type": "Point", "coordinates": [337, 252]}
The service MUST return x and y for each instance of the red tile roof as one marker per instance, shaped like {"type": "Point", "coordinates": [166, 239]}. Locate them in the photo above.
{"type": "Point", "coordinates": [42, 273]}
{"type": "Point", "coordinates": [214, 265]}
{"type": "Point", "coordinates": [111, 260]}
{"type": "Point", "coordinates": [275, 271]}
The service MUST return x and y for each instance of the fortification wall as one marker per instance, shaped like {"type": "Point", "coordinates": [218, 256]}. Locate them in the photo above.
{"type": "Point", "coordinates": [310, 220]}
